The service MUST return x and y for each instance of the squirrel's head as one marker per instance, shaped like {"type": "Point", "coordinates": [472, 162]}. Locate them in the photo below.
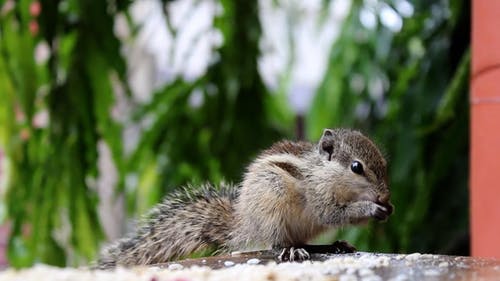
{"type": "Point", "coordinates": [352, 169]}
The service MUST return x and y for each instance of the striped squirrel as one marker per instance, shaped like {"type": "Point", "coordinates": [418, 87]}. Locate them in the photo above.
{"type": "Point", "coordinates": [290, 193]}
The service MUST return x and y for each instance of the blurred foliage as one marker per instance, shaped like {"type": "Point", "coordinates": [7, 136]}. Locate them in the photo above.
{"type": "Point", "coordinates": [214, 141]}
{"type": "Point", "coordinates": [421, 120]}
{"type": "Point", "coordinates": [407, 89]}
{"type": "Point", "coordinates": [54, 165]}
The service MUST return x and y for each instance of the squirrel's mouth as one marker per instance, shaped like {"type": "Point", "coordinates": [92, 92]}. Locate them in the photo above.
{"type": "Point", "coordinates": [383, 213]}
{"type": "Point", "coordinates": [389, 208]}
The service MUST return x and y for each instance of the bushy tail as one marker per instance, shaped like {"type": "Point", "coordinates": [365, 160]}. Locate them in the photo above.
{"type": "Point", "coordinates": [186, 222]}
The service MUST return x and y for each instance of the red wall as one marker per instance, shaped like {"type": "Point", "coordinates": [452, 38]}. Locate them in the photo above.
{"type": "Point", "coordinates": [485, 129]}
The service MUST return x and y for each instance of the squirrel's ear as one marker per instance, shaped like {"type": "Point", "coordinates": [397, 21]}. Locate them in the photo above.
{"type": "Point", "coordinates": [326, 144]}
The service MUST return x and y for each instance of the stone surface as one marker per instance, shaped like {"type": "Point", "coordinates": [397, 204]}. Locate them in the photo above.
{"type": "Point", "coordinates": [370, 266]}
{"type": "Point", "coordinates": [262, 266]}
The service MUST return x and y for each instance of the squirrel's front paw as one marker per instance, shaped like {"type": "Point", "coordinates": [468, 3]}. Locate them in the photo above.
{"type": "Point", "coordinates": [380, 212]}
{"type": "Point", "coordinates": [342, 247]}
{"type": "Point", "coordinates": [293, 254]}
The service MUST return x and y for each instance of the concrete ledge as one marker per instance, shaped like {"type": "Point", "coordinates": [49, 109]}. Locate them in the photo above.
{"type": "Point", "coordinates": [261, 266]}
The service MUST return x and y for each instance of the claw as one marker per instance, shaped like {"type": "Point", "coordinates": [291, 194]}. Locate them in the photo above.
{"type": "Point", "coordinates": [282, 254]}
{"type": "Point", "coordinates": [302, 254]}
{"type": "Point", "coordinates": [293, 254]}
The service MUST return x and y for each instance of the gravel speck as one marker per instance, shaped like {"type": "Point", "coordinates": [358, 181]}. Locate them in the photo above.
{"type": "Point", "coordinates": [413, 257]}
{"type": "Point", "coordinates": [253, 261]}
{"type": "Point", "coordinates": [431, 272]}
{"type": "Point", "coordinates": [400, 277]}
{"type": "Point", "coordinates": [175, 266]}
{"type": "Point", "coordinates": [444, 264]}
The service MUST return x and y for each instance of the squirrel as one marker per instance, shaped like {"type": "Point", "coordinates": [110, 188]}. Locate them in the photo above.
{"type": "Point", "coordinates": [289, 194]}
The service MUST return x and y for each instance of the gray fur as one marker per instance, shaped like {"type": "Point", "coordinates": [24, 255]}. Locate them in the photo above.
{"type": "Point", "coordinates": [187, 221]}
{"type": "Point", "coordinates": [289, 194]}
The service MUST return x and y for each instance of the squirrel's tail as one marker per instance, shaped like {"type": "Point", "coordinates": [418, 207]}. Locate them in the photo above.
{"type": "Point", "coordinates": [184, 223]}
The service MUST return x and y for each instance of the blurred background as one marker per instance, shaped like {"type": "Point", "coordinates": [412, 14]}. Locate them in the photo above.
{"type": "Point", "coordinates": [106, 106]}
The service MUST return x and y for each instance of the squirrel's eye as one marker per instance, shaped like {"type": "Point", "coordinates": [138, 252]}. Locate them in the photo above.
{"type": "Point", "coordinates": [357, 167]}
